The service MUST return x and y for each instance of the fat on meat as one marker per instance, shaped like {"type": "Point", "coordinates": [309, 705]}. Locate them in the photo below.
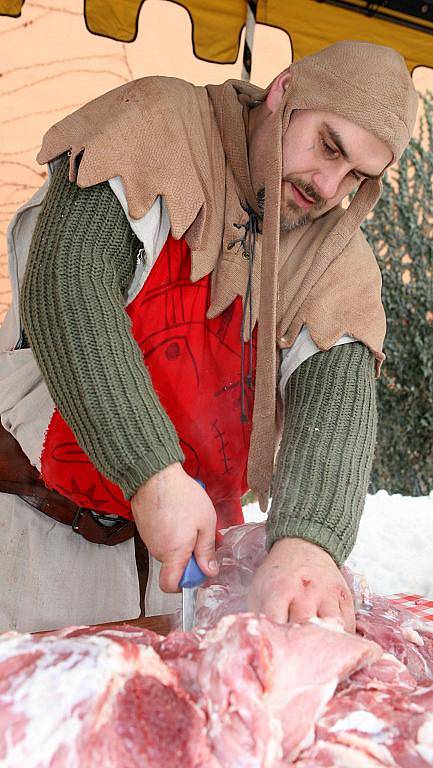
{"type": "Point", "coordinates": [377, 718]}
{"type": "Point", "coordinates": [400, 683]}
{"type": "Point", "coordinates": [238, 692]}
{"type": "Point", "coordinates": [265, 684]}
{"type": "Point", "coordinates": [92, 698]}
{"type": "Point", "coordinates": [397, 631]}
{"type": "Point", "coordinates": [245, 694]}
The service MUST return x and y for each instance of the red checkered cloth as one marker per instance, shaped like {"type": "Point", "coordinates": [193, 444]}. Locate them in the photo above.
{"type": "Point", "coordinates": [416, 604]}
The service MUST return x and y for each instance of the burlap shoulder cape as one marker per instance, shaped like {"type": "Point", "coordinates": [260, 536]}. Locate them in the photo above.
{"type": "Point", "coordinates": [164, 136]}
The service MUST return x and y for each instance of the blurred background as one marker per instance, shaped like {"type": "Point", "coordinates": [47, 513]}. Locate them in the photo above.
{"type": "Point", "coordinates": [55, 55]}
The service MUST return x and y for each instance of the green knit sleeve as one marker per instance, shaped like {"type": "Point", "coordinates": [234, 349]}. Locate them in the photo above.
{"type": "Point", "coordinates": [81, 259]}
{"type": "Point", "coordinates": [326, 452]}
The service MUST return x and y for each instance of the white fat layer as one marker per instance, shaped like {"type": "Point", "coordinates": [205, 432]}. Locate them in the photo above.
{"type": "Point", "coordinates": [274, 745]}
{"type": "Point", "coordinates": [367, 745]}
{"type": "Point", "coordinates": [333, 624]}
{"type": "Point", "coordinates": [69, 673]}
{"type": "Point", "coordinates": [221, 629]}
{"type": "Point", "coordinates": [410, 634]}
{"type": "Point", "coordinates": [326, 693]}
{"type": "Point", "coordinates": [347, 757]}
{"type": "Point", "coordinates": [359, 720]}
{"type": "Point", "coordinates": [425, 752]}
{"type": "Point", "coordinates": [253, 627]}
{"type": "Point", "coordinates": [391, 657]}
{"type": "Point", "coordinates": [425, 733]}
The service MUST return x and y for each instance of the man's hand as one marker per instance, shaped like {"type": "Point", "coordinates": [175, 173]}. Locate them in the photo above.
{"type": "Point", "coordinates": [175, 517]}
{"type": "Point", "coordinates": [299, 580]}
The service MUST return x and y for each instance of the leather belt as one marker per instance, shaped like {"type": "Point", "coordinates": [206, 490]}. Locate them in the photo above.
{"type": "Point", "coordinates": [83, 521]}
{"type": "Point", "coordinates": [18, 476]}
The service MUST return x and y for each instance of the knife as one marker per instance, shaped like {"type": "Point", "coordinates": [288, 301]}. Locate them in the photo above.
{"type": "Point", "coordinates": [191, 579]}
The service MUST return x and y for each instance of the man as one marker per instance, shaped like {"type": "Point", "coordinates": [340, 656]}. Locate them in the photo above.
{"type": "Point", "coordinates": [205, 230]}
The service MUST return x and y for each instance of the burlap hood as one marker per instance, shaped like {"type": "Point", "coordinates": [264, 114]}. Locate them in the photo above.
{"type": "Point", "coordinates": [164, 136]}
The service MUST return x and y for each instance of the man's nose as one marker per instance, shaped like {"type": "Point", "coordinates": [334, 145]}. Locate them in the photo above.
{"type": "Point", "coordinates": [327, 184]}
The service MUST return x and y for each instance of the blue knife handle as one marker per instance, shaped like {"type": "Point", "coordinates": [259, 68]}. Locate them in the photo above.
{"type": "Point", "coordinates": [192, 576]}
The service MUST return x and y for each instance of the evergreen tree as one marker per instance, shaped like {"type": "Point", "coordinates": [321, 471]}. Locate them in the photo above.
{"type": "Point", "coordinates": [400, 231]}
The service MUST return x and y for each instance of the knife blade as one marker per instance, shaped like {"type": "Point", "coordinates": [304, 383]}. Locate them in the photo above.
{"type": "Point", "coordinates": [192, 578]}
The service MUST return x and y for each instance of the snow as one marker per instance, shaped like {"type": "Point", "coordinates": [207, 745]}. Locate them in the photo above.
{"type": "Point", "coordinates": [394, 548]}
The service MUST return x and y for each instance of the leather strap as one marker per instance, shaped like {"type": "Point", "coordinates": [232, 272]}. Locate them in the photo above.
{"type": "Point", "coordinates": [18, 476]}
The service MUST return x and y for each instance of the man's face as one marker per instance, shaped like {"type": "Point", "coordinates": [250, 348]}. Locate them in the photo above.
{"type": "Point", "coordinates": [325, 157]}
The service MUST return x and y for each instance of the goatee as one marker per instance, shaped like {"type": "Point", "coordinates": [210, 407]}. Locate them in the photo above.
{"type": "Point", "coordinates": [287, 224]}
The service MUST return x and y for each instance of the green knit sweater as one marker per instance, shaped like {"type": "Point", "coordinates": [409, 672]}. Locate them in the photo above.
{"type": "Point", "coordinates": [81, 260]}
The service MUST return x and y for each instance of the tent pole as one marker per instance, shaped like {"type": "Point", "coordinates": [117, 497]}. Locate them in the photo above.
{"type": "Point", "coordinates": [250, 26]}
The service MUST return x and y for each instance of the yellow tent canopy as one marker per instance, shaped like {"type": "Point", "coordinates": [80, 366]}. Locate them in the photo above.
{"type": "Point", "coordinates": [406, 25]}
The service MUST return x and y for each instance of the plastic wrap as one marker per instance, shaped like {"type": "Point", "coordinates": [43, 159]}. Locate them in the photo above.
{"type": "Point", "coordinates": [397, 631]}
{"type": "Point", "coordinates": [242, 550]}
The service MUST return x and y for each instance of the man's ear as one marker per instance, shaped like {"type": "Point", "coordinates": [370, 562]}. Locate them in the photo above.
{"type": "Point", "coordinates": [278, 89]}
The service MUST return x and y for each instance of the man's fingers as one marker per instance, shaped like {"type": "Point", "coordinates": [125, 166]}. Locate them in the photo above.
{"type": "Point", "coordinates": [278, 612]}
{"type": "Point", "coordinates": [171, 573]}
{"type": "Point", "coordinates": [302, 609]}
{"type": "Point", "coordinates": [347, 607]}
{"type": "Point", "coordinates": [330, 609]}
{"type": "Point", "coordinates": [348, 611]}
{"type": "Point", "coordinates": [271, 598]}
{"type": "Point", "coordinates": [274, 606]}
{"type": "Point", "coordinates": [339, 608]}
{"type": "Point", "coordinates": [204, 549]}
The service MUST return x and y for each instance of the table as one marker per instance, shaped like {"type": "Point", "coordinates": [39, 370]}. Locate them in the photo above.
{"type": "Point", "coordinates": [416, 604]}
{"type": "Point", "coordinates": [160, 624]}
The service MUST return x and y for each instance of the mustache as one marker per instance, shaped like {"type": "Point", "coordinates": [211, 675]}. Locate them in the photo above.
{"type": "Point", "coordinates": [308, 189]}
{"type": "Point", "coordinates": [304, 186]}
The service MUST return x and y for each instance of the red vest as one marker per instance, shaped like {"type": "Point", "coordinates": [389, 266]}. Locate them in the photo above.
{"type": "Point", "coordinates": [195, 368]}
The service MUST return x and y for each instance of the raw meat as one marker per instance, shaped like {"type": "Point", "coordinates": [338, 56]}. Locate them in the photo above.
{"type": "Point", "coordinates": [378, 619]}
{"type": "Point", "coordinates": [243, 695]}
{"type": "Point", "coordinates": [265, 684]}
{"type": "Point", "coordinates": [241, 692]}
{"type": "Point", "coordinates": [98, 698]}
{"type": "Point", "coordinates": [398, 632]}
{"type": "Point", "coordinates": [383, 717]}
{"type": "Point", "coordinates": [378, 719]}
{"type": "Point", "coordinates": [242, 550]}
{"type": "Point", "coordinates": [181, 651]}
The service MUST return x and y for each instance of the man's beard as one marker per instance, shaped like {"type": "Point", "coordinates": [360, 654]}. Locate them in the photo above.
{"type": "Point", "coordinates": [290, 217]}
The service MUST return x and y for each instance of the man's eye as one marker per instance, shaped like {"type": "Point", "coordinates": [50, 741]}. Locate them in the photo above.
{"type": "Point", "coordinates": [331, 151]}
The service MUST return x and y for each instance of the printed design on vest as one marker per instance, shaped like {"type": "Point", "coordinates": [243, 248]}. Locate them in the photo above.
{"type": "Point", "coordinates": [195, 366]}
{"type": "Point", "coordinates": [84, 485]}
